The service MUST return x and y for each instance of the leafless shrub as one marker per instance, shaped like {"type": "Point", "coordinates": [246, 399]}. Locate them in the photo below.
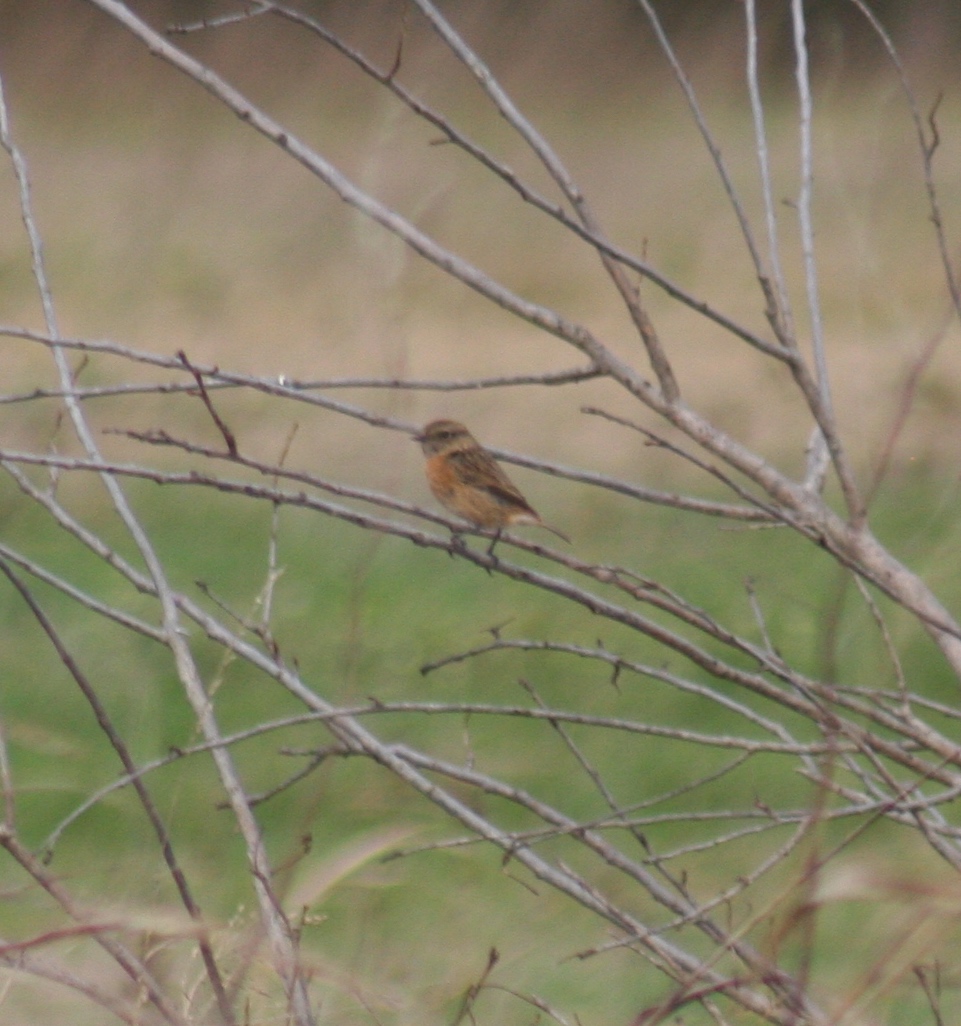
{"type": "Point", "coordinates": [739, 947]}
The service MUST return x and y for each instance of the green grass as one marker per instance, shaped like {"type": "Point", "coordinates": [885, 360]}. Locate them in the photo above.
{"type": "Point", "coordinates": [167, 225]}
{"type": "Point", "coordinates": [359, 615]}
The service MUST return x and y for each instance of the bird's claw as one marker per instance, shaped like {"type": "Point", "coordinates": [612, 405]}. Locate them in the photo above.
{"type": "Point", "coordinates": [457, 544]}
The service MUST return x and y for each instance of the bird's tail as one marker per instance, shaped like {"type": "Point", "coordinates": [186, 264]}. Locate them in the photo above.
{"type": "Point", "coordinates": [554, 530]}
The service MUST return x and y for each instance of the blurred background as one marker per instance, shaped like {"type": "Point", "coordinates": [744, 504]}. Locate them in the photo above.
{"type": "Point", "coordinates": [168, 224]}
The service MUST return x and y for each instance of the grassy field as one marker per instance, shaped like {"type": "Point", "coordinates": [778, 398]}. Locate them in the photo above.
{"type": "Point", "coordinates": [360, 615]}
{"type": "Point", "coordinates": [168, 226]}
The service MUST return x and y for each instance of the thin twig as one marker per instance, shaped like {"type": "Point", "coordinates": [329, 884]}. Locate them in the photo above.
{"type": "Point", "coordinates": [125, 959]}
{"type": "Point", "coordinates": [228, 436]}
{"type": "Point", "coordinates": [274, 922]}
{"type": "Point", "coordinates": [146, 800]}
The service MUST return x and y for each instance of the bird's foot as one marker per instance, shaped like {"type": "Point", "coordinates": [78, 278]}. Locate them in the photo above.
{"type": "Point", "coordinates": [457, 544]}
{"type": "Point", "coordinates": [490, 551]}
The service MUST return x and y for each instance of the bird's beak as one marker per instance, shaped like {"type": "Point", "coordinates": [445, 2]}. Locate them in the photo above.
{"type": "Point", "coordinates": [417, 438]}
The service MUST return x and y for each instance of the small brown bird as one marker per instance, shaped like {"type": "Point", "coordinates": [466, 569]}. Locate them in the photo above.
{"type": "Point", "coordinates": [469, 482]}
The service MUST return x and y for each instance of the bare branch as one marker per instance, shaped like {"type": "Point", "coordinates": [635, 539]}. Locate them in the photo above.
{"type": "Point", "coordinates": [696, 782]}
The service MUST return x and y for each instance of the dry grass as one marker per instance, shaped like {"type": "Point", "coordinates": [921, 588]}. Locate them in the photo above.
{"type": "Point", "coordinates": [168, 226]}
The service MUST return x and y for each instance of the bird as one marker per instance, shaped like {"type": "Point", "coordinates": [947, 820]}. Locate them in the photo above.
{"type": "Point", "coordinates": [469, 482]}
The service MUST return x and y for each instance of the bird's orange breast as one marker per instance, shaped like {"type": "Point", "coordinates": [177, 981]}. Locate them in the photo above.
{"type": "Point", "coordinates": [479, 505]}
